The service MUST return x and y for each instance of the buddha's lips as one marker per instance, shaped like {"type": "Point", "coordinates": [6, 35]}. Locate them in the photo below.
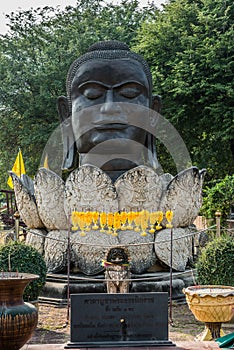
{"type": "Point", "coordinates": [110, 126]}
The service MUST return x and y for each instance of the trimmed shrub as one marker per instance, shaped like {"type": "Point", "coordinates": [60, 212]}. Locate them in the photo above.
{"type": "Point", "coordinates": [215, 264]}
{"type": "Point", "coordinates": [24, 258]}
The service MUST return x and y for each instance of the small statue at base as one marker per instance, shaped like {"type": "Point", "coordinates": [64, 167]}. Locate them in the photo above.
{"type": "Point", "coordinates": [117, 273]}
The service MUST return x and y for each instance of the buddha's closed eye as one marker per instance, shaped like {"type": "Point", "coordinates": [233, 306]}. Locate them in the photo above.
{"type": "Point", "coordinates": [93, 91]}
{"type": "Point", "coordinates": [129, 91]}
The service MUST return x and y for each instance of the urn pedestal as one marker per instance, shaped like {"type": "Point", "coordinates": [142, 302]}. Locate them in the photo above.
{"type": "Point", "coordinates": [212, 304]}
{"type": "Point", "coordinates": [17, 318]}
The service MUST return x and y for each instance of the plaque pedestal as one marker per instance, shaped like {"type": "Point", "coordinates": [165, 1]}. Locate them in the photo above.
{"type": "Point", "coordinates": [119, 344]}
{"type": "Point", "coordinates": [119, 320]}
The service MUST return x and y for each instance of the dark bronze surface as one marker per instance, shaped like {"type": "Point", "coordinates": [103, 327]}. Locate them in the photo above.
{"type": "Point", "coordinates": [106, 78]}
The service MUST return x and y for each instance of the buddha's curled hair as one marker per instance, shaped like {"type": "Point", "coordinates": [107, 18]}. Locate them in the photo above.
{"type": "Point", "coordinates": [109, 50]}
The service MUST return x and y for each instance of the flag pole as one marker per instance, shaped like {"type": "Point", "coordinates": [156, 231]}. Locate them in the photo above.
{"type": "Point", "coordinates": [68, 269]}
{"type": "Point", "coordinates": [171, 257]}
{"type": "Point", "coordinates": [20, 161]}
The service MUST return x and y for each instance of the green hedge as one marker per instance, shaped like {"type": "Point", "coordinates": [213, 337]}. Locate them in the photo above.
{"type": "Point", "coordinates": [24, 258]}
{"type": "Point", "coordinates": [215, 264]}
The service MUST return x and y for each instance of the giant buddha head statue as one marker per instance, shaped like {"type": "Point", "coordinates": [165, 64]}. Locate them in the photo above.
{"type": "Point", "coordinates": [107, 88]}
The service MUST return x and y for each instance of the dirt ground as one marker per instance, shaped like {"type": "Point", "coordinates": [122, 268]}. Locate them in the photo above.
{"type": "Point", "coordinates": [53, 329]}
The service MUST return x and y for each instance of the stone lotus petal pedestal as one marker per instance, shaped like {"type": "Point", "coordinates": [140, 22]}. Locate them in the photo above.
{"type": "Point", "coordinates": [17, 318]}
{"type": "Point", "coordinates": [212, 304]}
{"type": "Point", "coordinates": [88, 188]}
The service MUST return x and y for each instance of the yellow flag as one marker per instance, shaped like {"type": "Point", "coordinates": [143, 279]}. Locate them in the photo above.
{"type": "Point", "coordinates": [46, 163]}
{"type": "Point", "coordinates": [18, 168]}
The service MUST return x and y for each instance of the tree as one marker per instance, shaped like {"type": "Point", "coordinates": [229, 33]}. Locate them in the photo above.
{"type": "Point", "coordinates": [219, 195]}
{"type": "Point", "coordinates": [34, 59]}
{"type": "Point", "coordinates": [189, 46]}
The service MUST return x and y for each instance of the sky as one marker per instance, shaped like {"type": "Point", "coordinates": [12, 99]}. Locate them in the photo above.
{"type": "Point", "coordinates": [8, 6]}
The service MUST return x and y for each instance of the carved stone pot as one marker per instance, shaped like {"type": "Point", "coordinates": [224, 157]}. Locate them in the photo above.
{"type": "Point", "coordinates": [212, 304]}
{"type": "Point", "coordinates": [17, 318]}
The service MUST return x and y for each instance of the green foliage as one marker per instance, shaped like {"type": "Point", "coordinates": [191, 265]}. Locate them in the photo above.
{"type": "Point", "coordinates": [24, 258]}
{"type": "Point", "coordinates": [34, 59]}
{"type": "Point", "coordinates": [189, 46]}
{"type": "Point", "coordinates": [215, 265]}
{"type": "Point", "coordinates": [219, 196]}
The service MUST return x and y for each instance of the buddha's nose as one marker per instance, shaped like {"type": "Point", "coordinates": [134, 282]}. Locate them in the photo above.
{"type": "Point", "coordinates": [110, 107]}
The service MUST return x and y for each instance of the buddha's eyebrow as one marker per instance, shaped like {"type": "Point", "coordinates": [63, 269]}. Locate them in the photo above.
{"type": "Point", "coordinates": [107, 86]}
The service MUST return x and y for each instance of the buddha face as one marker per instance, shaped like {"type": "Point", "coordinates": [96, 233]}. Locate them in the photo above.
{"type": "Point", "coordinates": [98, 93]}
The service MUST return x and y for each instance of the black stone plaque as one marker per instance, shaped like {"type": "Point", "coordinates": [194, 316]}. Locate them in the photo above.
{"type": "Point", "coordinates": [133, 319]}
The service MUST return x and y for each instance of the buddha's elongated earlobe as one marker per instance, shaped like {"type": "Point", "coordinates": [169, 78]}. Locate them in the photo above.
{"type": "Point", "coordinates": [70, 155]}
{"type": "Point", "coordinates": [152, 155]}
{"type": "Point", "coordinates": [156, 103]}
{"type": "Point", "coordinates": [151, 139]}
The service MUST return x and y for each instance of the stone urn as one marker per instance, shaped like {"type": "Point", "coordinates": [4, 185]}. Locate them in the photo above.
{"type": "Point", "coordinates": [212, 304]}
{"type": "Point", "coordinates": [17, 318]}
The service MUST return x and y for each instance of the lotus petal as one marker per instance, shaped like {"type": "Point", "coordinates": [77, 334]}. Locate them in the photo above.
{"type": "Point", "coordinates": [181, 251]}
{"type": "Point", "coordinates": [36, 238]}
{"type": "Point", "coordinates": [26, 204]}
{"type": "Point", "coordinates": [184, 196]}
{"type": "Point", "coordinates": [90, 250]}
{"type": "Point", "coordinates": [139, 188]}
{"type": "Point", "coordinates": [49, 193]}
{"type": "Point", "coordinates": [90, 189]}
{"type": "Point", "coordinates": [56, 245]}
{"type": "Point", "coordinates": [141, 254]}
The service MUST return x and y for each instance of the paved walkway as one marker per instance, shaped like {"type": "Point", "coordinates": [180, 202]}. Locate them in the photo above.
{"type": "Point", "coordinates": [180, 345]}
